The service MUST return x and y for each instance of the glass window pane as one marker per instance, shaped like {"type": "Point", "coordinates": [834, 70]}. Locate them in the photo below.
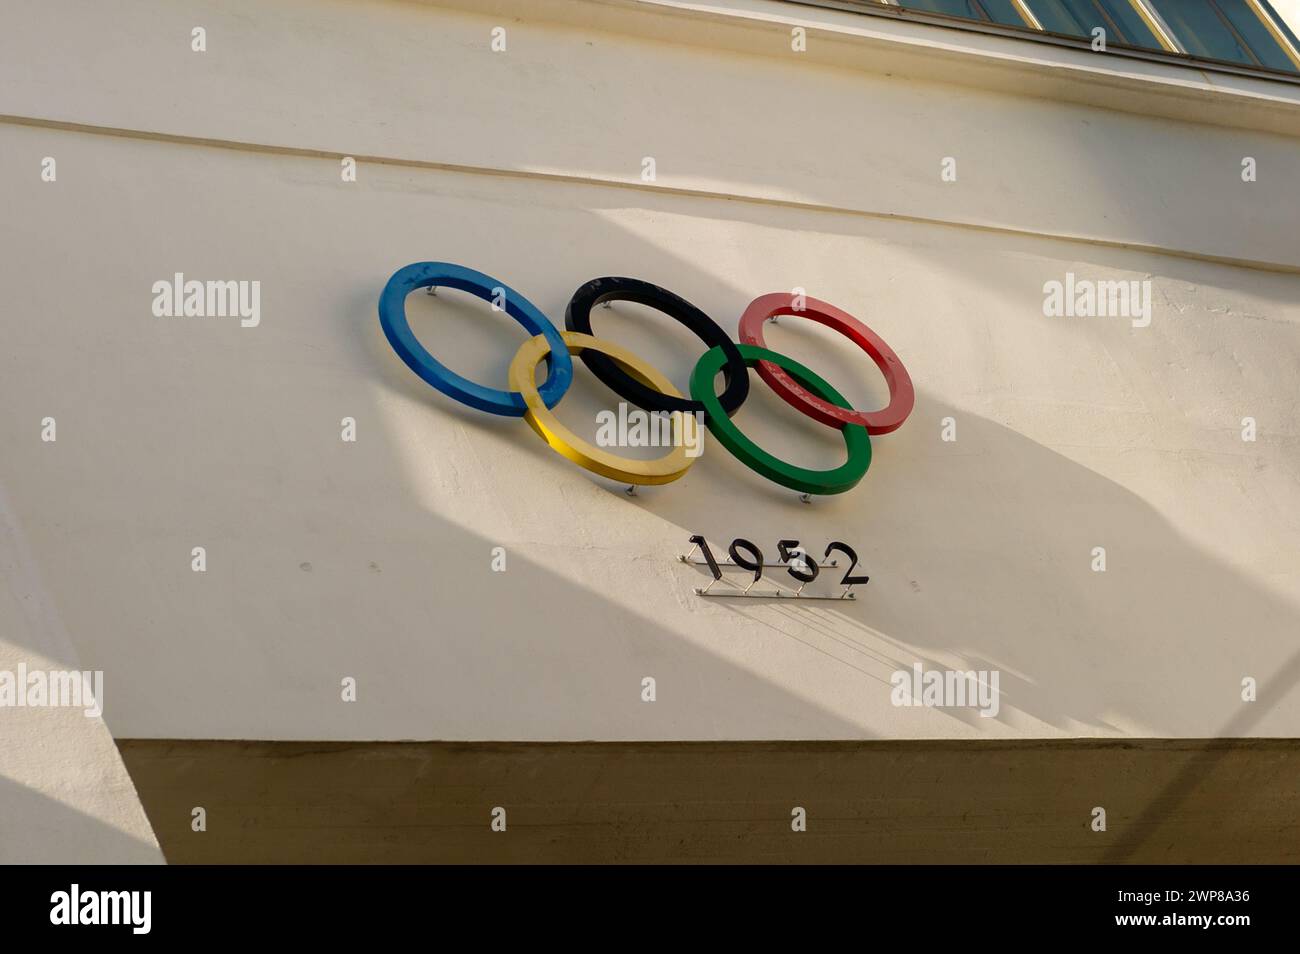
{"type": "Point", "coordinates": [1215, 29]}
{"type": "Point", "coordinates": [1118, 18]}
{"type": "Point", "coordinates": [1256, 35]}
{"type": "Point", "coordinates": [1003, 11]}
{"type": "Point", "coordinates": [1281, 24]}
{"type": "Point", "coordinates": [1201, 31]}
{"type": "Point", "coordinates": [999, 11]}
{"type": "Point", "coordinates": [1058, 17]}
{"type": "Point", "coordinates": [954, 8]}
{"type": "Point", "coordinates": [1135, 29]}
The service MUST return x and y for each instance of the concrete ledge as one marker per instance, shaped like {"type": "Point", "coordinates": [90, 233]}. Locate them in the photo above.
{"type": "Point", "coordinates": [920, 51]}
{"type": "Point", "coordinates": [1198, 801]}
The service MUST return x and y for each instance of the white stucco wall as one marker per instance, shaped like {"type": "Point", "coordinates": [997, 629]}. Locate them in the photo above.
{"type": "Point", "coordinates": [65, 797]}
{"type": "Point", "coordinates": [372, 559]}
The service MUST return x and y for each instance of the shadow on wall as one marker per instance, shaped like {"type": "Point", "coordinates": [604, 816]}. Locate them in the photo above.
{"type": "Point", "coordinates": [988, 565]}
{"type": "Point", "coordinates": [979, 551]}
{"type": "Point", "coordinates": [64, 835]}
{"type": "Point", "coordinates": [325, 561]}
{"type": "Point", "coordinates": [990, 557]}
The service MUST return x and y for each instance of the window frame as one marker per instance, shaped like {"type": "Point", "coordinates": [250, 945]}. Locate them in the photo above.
{"type": "Point", "coordinates": [1173, 52]}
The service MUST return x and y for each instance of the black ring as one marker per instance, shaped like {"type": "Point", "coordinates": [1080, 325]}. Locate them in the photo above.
{"type": "Point", "coordinates": [577, 317]}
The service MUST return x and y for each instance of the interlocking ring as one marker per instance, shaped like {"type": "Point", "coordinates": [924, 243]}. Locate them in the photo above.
{"type": "Point", "coordinates": [660, 471]}
{"type": "Point", "coordinates": [837, 481]}
{"type": "Point", "coordinates": [577, 317]}
{"type": "Point", "coordinates": [392, 317]}
{"type": "Point", "coordinates": [640, 383]}
{"type": "Point", "coordinates": [902, 397]}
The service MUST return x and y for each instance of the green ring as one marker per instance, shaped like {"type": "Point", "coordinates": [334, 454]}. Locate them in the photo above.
{"type": "Point", "coordinates": [856, 439]}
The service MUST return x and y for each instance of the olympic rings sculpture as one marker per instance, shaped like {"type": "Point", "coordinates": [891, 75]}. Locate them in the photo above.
{"type": "Point", "coordinates": [645, 386]}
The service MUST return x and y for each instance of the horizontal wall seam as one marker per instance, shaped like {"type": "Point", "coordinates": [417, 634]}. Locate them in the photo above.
{"type": "Point", "coordinates": [600, 181]}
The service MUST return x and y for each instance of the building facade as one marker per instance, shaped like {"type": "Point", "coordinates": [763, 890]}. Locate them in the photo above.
{"type": "Point", "coordinates": [262, 527]}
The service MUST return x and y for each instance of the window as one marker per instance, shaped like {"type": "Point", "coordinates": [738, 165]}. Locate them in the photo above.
{"type": "Point", "coordinates": [1244, 32]}
{"type": "Point", "coordinates": [1121, 20]}
{"type": "Point", "coordinates": [997, 11]}
{"type": "Point", "coordinates": [1231, 30]}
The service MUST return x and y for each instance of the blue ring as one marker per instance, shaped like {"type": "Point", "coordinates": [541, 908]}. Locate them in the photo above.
{"type": "Point", "coordinates": [392, 317]}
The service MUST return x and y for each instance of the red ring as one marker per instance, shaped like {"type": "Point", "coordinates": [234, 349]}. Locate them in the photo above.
{"type": "Point", "coordinates": [902, 396]}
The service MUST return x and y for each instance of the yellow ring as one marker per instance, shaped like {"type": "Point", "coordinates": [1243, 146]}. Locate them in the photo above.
{"type": "Point", "coordinates": [523, 378]}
